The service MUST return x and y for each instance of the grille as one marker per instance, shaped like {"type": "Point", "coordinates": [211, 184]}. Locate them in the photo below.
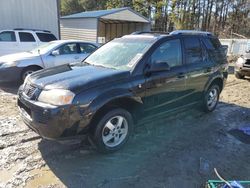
{"type": "Point", "coordinates": [29, 90]}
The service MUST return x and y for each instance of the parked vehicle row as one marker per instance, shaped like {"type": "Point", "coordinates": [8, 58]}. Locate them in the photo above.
{"type": "Point", "coordinates": [20, 40]}
{"type": "Point", "coordinates": [139, 76]}
{"type": "Point", "coordinates": [16, 67]}
{"type": "Point", "coordinates": [242, 66]}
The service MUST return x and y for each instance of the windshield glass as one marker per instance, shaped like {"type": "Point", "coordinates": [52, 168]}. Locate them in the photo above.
{"type": "Point", "coordinates": [44, 48]}
{"type": "Point", "coordinates": [120, 53]}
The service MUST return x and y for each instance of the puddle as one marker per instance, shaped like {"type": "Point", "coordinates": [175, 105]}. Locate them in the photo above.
{"type": "Point", "coordinates": [242, 134]}
{"type": "Point", "coordinates": [43, 177]}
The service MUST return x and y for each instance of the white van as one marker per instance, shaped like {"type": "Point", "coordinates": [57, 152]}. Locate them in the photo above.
{"type": "Point", "coordinates": [20, 40]}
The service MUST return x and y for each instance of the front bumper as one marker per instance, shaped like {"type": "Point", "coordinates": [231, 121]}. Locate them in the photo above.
{"type": "Point", "coordinates": [10, 74]}
{"type": "Point", "coordinates": [52, 122]}
{"type": "Point", "coordinates": [243, 69]}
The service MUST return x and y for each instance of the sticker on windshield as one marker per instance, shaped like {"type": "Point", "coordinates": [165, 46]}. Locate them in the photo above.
{"type": "Point", "coordinates": [135, 60]}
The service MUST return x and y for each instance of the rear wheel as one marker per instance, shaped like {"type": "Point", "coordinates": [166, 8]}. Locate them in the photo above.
{"type": "Point", "coordinates": [112, 131]}
{"type": "Point", "coordinates": [211, 98]}
{"type": "Point", "coordinates": [238, 75]}
{"type": "Point", "coordinates": [28, 71]}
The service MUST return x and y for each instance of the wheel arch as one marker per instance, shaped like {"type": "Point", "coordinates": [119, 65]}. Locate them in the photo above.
{"type": "Point", "coordinates": [126, 102]}
{"type": "Point", "coordinates": [217, 80]}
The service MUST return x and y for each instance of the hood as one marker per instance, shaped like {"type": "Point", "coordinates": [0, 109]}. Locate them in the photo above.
{"type": "Point", "coordinates": [17, 57]}
{"type": "Point", "coordinates": [76, 78]}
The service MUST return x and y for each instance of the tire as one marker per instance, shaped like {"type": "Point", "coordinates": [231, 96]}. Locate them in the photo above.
{"type": "Point", "coordinates": [211, 98]}
{"type": "Point", "coordinates": [28, 71]}
{"type": "Point", "coordinates": [112, 131]}
{"type": "Point", "coordinates": [238, 75]}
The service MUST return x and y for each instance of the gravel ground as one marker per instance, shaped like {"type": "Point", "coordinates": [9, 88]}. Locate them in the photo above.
{"type": "Point", "coordinates": [176, 151]}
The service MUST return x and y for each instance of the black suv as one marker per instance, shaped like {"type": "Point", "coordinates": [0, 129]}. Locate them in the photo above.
{"type": "Point", "coordinates": [138, 76]}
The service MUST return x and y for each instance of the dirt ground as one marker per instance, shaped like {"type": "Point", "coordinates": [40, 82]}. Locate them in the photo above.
{"type": "Point", "coordinates": [176, 151]}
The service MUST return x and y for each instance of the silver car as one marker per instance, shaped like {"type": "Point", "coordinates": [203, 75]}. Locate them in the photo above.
{"type": "Point", "coordinates": [15, 67]}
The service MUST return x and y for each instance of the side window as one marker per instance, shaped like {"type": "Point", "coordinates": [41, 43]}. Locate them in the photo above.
{"type": "Point", "coordinates": [193, 50]}
{"type": "Point", "coordinates": [66, 49]}
{"type": "Point", "coordinates": [86, 48]}
{"type": "Point", "coordinates": [45, 37]}
{"type": "Point", "coordinates": [7, 36]}
{"type": "Point", "coordinates": [169, 52]}
{"type": "Point", "coordinates": [26, 37]}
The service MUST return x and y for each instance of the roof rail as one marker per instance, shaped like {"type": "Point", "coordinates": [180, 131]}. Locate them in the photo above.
{"type": "Point", "coordinates": [149, 32]}
{"type": "Point", "coordinates": [190, 32]}
{"type": "Point", "coordinates": [47, 31]}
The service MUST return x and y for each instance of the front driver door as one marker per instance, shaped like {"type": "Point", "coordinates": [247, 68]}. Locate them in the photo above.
{"type": "Point", "coordinates": [68, 53]}
{"type": "Point", "coordinates": [164, 89]}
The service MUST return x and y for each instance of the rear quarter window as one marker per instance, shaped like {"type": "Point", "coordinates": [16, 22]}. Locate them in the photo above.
{"type": "Point", "coordinates": [215, 50]}
{"type": "Point", "coordinates": [46, 37]}
{"type": "Point", "coordinates": [212, 43]}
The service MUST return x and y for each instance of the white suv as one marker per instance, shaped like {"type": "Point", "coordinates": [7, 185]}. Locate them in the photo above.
{"type": "Point", "coordinates": [20, 40]}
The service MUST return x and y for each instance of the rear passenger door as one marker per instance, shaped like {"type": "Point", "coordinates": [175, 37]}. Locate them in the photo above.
{"type": "Point", "coordinates": [27, 41]}
{"type": "Point", "coordinates": [198, 66]}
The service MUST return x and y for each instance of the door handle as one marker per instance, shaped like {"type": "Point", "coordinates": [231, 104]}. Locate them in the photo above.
{"type": "Point", "coordinates": [181, 75]}
{"type": "Point", "coordinates": [208, 69]}
{"type": "Point", "coordinates": [76, 57]}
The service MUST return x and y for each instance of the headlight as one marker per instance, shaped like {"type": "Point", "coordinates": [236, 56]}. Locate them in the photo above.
{"type": "Point", "coordinates": [9, 64]}
{"type": "Point", "coordinates": [240, 61]}
{"type": "Point", "coordinates": [56, 97]}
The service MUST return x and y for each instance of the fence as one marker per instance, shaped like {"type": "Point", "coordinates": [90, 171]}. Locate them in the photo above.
{"type": "Point", "coordinates": [236, 46]}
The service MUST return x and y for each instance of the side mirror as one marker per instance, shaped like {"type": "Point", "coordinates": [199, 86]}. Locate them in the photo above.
{"type": "Point", "coordinates": [159, 66]}
{"type": "Point", "coordinates": [55, 53]}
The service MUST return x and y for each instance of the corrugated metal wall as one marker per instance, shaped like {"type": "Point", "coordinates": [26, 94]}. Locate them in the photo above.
{"type": "Point", "coordinates": [80, 29]}
{"type": "Point", "coordinates": [109, 31]}
{"type": "Point", "coordinates": [236, 46]}
{"type": "Point", "coordinates": [34, 14]}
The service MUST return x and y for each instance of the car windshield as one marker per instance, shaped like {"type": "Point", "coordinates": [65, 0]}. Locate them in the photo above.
{"type": "Point", "coordinates": [120, 53]}
{"type": "Point", "coordinates": [44, 48]}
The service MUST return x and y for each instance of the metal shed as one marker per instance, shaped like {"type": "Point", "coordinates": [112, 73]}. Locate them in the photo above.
{"type": "Point", "coordinates": [103, 25]}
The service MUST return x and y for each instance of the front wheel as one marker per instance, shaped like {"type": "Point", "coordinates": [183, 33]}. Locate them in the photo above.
{"type": "Point", "coordinates": [112, 131]}
{"type": "Point", "coordinates": [211, 98]}
{"type": "Point", "coordinates": [27, 71]}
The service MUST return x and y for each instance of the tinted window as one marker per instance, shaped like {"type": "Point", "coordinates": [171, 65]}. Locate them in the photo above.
{"type": "Point", "coordinates": [193, 50]}
{"type": "Point", "coordinates": [26, 37]}
{"type": "Point", "coordinates": [68, 49]}
{"type": "Point", "coordinates": [46, 37]}
{"type": "Point", "coordinates": [169, 52]}
{"type": "Point", "coordinates": [215, 50]}
{"type": "Point", "coordinates": [7, 36]}
{"type": "Point", "coordinates": [87, 48]}
{"type": "Point", "coordinates": [212, 43]}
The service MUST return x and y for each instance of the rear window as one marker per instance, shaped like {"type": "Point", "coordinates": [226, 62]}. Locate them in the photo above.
{"type": "Point", "coordinates": [7, 36]}
{"type": "Point", "coordinates": [26, 37]}
{"type": "Point", "coordinates": [46, 37]}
